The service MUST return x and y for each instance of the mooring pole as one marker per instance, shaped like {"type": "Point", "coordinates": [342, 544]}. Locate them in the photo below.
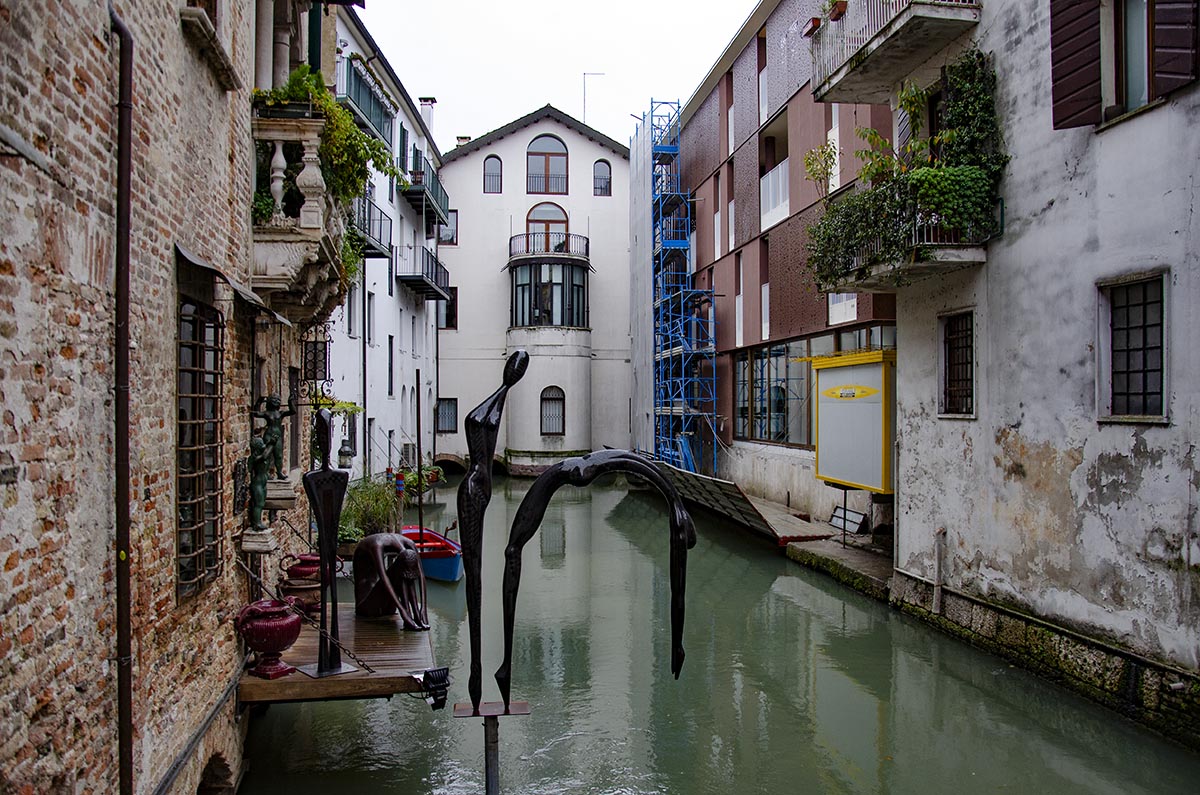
{"type": "Point", "coordinates": [491, 755]}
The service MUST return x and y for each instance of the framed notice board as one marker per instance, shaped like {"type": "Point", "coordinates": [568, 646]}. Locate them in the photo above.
{"type": "Point", "coordinates": [856, 419]}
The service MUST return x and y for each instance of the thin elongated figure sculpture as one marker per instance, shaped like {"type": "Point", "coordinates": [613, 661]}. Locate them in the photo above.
{"type": "Point", "coordinates": [482, 427]}
{"type": "Point", "coordinates": [581, 472]}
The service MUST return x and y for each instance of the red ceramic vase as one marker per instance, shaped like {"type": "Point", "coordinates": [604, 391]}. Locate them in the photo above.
{"type": "Point", "coordinates": [306, 566]}
{"type": "Point", "coordinates": [269, 627]}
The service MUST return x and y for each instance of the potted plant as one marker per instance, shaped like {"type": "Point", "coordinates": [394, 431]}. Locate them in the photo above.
{"type": "Point", "coordinates": [836, 9]}
{"type": "Point", "coordinates": [810, 29]}
{"type": "Point", "coordinates": [370, 507]}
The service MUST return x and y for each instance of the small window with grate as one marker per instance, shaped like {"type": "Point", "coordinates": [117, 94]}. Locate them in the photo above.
{"type": "Point", "coordinates": [447, 415]}
{"type": "Point", "coordinates": [958, 364]}
{"type": "Point", "coordinates": [200, 480]}
{"type": "Point", "coordinates": [1133, 347]}
{"type": "Point", "coordinates": [554, 411]}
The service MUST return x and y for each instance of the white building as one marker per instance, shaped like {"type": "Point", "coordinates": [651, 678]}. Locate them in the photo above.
{"type": "Point", "coordinates": [385, 333]}
{"type": "Point", "coordinates": [538, 241]}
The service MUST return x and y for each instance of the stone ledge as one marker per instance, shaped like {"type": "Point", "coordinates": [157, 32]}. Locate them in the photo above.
{"type": "Point", "coordinates": [200, 31]}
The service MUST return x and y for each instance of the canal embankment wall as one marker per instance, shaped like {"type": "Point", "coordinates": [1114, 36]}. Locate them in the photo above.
{"type": "Point", "coordinates": [1156, 694]}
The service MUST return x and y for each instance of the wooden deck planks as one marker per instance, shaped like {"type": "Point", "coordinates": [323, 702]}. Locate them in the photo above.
{"type": "Point", "coordinates": [381, 642]}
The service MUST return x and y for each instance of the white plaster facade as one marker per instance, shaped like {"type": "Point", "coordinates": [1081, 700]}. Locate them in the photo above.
{"type": "Point", "coordinates": [589, 363]}
{"type": "Point", "coordinates": [392, 316]}
{"type": "Point", "coordinates": [1048, 507]}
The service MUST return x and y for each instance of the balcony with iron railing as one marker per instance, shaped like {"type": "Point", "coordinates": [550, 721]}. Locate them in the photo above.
{"type": "Point", "coordinates": [549, 246]}
{"type": "Point", "coordinates": [554, 184]}
{"type": "Point", "coordinates": [425, 191]}
{"type": "Point", "coordinates": [356, 89]}
{"type": "Point", "coordinates": [374, 225]}
{"type": "Point", "coordinates": [425, 275]}
{"type": "Point", "coordinates": [860, 57]}
{"type": "Point", "coordinates": [934, 248]}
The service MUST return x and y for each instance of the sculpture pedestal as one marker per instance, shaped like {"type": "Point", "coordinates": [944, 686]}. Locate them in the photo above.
{"type": "Point", "coordinates": [491, 712]}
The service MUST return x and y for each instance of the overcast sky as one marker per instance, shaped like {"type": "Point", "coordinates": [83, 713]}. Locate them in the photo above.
{"type": "Point", "coordinates": [490, 62]}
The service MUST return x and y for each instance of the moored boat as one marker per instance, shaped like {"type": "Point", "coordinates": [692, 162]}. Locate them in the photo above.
{"type": "Point", "coordinates": [441, 558]}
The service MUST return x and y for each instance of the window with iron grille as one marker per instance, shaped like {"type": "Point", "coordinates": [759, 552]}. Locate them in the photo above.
{"type": "Point", "coordinates": [958, 363]}
{"type": "Point", "coordinates": [554, 411]}
{"type": "Point", "coordinates": [200, 480]}
{"type": "Point", "coordinates": [1136, 348]}
{"type": "Point", "coordinates": [602, 178]}
{"type": "Point", "coordinates": [447, 415]}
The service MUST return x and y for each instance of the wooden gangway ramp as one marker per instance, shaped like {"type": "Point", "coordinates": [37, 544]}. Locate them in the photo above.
{"type": "Point", "coordinates": [394, 653]}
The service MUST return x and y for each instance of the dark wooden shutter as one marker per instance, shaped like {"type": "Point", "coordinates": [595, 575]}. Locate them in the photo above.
{"type": "Point", "coordinates": [1174, 41]}
{"type": "Point", "coordinates": [1075, 62]}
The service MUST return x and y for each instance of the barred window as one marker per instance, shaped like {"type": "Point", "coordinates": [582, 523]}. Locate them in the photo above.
{"type": "Point", "coordinates": [958, 364]}
{"type": "Point", "coordinates": [200, 477]}
{"type": "Point", "coordinates": [1136, 348]}
{"type": "Point", "coordinates": [602, 178]}
{"type": "Point", "coordinates": [554, 411]}
{"type": "Point", "coordinates": [447, 415]}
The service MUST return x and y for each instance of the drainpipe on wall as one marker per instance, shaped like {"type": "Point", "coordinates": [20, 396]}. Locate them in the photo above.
{"type": "Point", "coordinates": [121, 396]}
{"type": "Point", "coordinates": [939, 555]}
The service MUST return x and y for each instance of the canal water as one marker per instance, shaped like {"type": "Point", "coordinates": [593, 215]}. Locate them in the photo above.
{"type": "Point", "coordinates": [792, 684]}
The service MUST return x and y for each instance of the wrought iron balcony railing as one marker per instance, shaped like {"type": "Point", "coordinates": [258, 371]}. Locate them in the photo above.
{"type": "Point", "coordinates": [425, 189]}
{"type": "Point", "coordinates": [546, 183]}
{"type": "Point", "coordinates": [356, 89]}
{"type": "Point", "coordinates": [374, 225]}
{"type": "Point", "coordinates": [560, 243]}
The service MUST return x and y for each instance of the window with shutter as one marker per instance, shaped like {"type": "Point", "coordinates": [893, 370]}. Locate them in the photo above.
{"type": "Point", "coordinates": [1174, 36]}
{"type": "Point", "coordinates": [1075, 62]}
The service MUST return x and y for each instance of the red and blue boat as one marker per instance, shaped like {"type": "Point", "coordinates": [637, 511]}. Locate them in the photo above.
{"type": "Point", "coordinates": [441, 558]}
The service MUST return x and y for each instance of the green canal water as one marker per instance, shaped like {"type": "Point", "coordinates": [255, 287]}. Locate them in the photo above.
{"type": "Point", "coordinates": [792, 684]}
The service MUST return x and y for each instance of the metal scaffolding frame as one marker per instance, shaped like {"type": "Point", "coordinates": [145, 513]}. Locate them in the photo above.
{"type": "Point", "coordinates": [684, 343]}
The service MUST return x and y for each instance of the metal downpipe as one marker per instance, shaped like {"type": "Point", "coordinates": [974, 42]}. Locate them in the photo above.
{"type": "Point", "coordinates": [121, 396]}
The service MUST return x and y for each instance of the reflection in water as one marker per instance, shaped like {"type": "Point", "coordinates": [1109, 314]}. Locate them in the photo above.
{"type": "Point", "coordinates": [792, 684]}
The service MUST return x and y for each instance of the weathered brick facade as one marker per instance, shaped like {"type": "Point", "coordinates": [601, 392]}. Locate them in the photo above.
{"type": "Point", "coordinates": [193, 161]}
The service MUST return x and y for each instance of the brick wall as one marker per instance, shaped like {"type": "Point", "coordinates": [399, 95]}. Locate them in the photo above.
{"type": "Point", "coordinates": [192, 179]}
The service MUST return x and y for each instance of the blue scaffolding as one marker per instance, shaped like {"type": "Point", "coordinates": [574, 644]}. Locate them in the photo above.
{"type": "Point", "coordinates": [684, 345]}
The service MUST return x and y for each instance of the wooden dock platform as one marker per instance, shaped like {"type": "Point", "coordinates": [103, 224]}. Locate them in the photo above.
{"type": "Point", "coordinates": [382, 642]}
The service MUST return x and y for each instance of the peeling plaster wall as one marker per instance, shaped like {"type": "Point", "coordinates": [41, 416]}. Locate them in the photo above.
{"type": "Point", "coordinates": [1087, 524]}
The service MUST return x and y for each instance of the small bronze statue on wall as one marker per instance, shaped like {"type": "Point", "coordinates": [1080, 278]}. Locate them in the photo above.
{"type": "Point", "coordinates": [273, 432]}
{"type": "Point", "coordinates": [259, 471]}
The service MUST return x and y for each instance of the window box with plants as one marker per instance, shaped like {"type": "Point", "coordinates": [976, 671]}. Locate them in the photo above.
{"type": "Point", "coordinates": [927, 207]}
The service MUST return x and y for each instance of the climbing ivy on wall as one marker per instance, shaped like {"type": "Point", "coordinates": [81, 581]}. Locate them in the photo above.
{"type": "Point", "coordinates": [950, 180]}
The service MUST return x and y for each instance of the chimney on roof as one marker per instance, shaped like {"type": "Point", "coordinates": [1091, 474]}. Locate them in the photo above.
{"type": "Point", "coordinates": [427, 104]}
{"type": "Point", "coordinates": [462, 140]}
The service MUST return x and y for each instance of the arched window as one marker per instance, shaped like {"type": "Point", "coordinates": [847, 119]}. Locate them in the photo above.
{"type": "Point", "coordinates": [546, 165]}
{"type": "Point", "coordinates": [554, 411]}
{"type": "Point", "coordinates": [493, 175]}
{"type": "Point", "coordinates": [602, 178]}
{"type": "Point", "coordinates": [546, 226]}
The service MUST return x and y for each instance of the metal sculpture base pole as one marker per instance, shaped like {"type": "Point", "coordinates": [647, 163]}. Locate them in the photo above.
{"type": "Point", "coordinates": [491, 712]}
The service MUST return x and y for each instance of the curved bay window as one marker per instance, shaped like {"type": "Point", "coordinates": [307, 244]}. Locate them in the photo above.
{"type": "Point", "coordinates": [199, 455]}
{"type": "Point", "coordinates": [493, 175]}
{"type": "Point", "coordinates": [554, 411]}
{"type": "Point", "coordinates": [546, 165]}
{"type": "Point", "coordinates": [549, 294]}
{"type": "Point", "coordinates": [602, 178]}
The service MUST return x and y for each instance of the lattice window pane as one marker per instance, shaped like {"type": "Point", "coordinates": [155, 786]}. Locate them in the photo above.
{"type": "Point", "coordinates": [958, 383]}
{"type": "Point", "coordinates": [1137, 348]}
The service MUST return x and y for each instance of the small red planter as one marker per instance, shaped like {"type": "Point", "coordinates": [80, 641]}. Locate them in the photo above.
{"type": "Point", "coordinates": [837, 11]}
{"type": "Point", "coordinates": [811, 28]}
{"type": "Point", "coordinates": [269, 627]}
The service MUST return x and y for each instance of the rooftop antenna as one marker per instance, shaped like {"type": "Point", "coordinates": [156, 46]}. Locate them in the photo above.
{"type": "Point", "coordinates": [586, 75]}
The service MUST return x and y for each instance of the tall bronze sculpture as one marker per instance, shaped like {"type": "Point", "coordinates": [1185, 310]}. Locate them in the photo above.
{"type": "Point", "coordinates": [581, 472]}
{"type": "Point", "coordinates": [482, 427]}
{"type": "Point", "coordinates": [326, 488]}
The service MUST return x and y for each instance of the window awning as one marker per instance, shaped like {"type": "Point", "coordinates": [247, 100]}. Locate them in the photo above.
{"type": "Point", "coordinates": [243, 292]}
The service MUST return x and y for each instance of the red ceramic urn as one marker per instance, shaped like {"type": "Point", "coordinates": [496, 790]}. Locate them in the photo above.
{"type": "Point", "coordinates": [305, 567]}
{"type": "Point", "coordinates": [269, 627]}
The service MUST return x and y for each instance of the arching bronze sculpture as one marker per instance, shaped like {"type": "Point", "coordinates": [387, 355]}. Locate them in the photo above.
{"type": "Point", "coordinates": [482, 427]}
{"type": "Point", "coordinates": [383, 590]}
{"type": "Point", "coordinates": [581, 472]}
